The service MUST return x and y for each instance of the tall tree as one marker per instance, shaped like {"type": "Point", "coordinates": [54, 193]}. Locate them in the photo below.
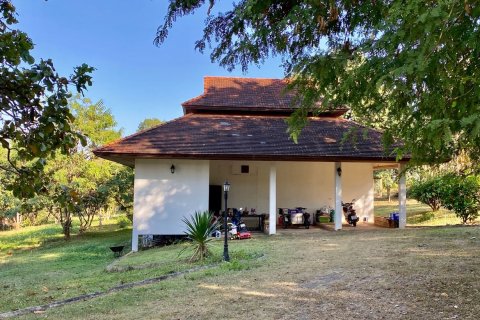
{"type": "Point", "coordinates": [94, 120]}
{"type": "Point", "coordinates": [35, 120]}
{"type": "Point", "coordinates": [149, 123]}
{"type": "Point", "coordinates": [411, 67]}
{"type": "Point", "coordinates": [79, 183]}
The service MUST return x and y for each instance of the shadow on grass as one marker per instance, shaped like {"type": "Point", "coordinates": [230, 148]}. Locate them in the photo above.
{"type": "Point", "coordinates": [48, 247]}
{"type": "Point", "coordinates": [49, 236]}
{"type": "Point", "coordinates": [29, 237]}
{"type": "Point", "coordinates": [421, 217]}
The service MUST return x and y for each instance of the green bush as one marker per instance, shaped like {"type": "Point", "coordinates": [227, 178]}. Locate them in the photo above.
{"type": "Point", "coordinates": [461, 194]}
{"type": "Point", "coordinates": [458, 193]}
{"type": "Point", "coordinates": [428, 192]}
{"type": "Point", "coordinates": [123, 222]}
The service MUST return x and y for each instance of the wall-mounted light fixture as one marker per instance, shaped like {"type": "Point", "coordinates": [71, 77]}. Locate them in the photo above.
{"type": "Point", "coordinates": [339, 171]}
{"type": "Point", "coordinates": [172, 169]}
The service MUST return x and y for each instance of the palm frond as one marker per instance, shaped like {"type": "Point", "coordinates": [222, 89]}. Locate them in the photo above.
{"type": "Point", "coordinates": [199, 228]}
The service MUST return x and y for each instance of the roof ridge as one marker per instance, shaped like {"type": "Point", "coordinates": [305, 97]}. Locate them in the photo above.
{"type": "Point", "coordinates": [193, 99]}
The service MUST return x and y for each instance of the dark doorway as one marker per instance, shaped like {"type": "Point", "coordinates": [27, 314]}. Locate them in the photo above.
{"type": "Point", "coordinates": [215, 199]}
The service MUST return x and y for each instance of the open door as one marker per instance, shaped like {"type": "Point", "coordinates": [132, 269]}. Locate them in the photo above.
{"type": "Point", "coordinates": [215, 199]}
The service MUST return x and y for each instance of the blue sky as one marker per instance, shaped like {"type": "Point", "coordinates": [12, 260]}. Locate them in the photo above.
{"type": "Point", "coordinates": [135, 79]}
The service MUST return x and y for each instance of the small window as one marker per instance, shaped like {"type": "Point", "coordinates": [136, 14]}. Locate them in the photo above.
{"type": "Point", "coordinates": [245, 169]}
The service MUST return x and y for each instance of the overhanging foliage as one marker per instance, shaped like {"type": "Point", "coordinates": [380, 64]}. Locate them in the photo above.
{"type": "Point", "coordinates": [410, 68]}
{"type": "Point", "coordinates": [35, 120]}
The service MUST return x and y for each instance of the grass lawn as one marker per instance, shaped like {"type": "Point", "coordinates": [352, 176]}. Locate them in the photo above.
{"type": "Point", "coordinates": [418, 214]}
{"type": "Point", "coordinates": [429, 273]}
{"type": "Point", "coordinates": [37, 266]}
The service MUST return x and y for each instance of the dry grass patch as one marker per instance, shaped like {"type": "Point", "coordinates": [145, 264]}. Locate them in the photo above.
{"type": "Point", "coordinates": [420, 273]}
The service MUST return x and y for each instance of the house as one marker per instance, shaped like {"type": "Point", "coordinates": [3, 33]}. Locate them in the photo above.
{"type": "Point", "coordinates": [236, 130]}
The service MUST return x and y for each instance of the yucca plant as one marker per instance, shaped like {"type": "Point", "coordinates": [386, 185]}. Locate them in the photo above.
{"type": "Point", "coordinates": [199, 229]}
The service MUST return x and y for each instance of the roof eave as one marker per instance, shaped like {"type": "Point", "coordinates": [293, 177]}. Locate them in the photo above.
{"type": "Point", "coordinates": [129, 158]}
{"type": "Point", "coordinates": [272, 110]}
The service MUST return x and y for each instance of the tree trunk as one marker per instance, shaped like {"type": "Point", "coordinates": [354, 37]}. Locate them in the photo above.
{"type": "Point", "coordinates": [83, 224]}
{"type": "Point", "coordinates": [66, 231]}
{"type": "Point", "coordinates": [66, 222]}
{"type": "Point", "coordinates": [33, 218]}
{"type": "Point", "coordinates": [389, 194]}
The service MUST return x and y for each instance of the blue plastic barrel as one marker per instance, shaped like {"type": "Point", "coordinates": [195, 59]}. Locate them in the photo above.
{"type": "Point", "coordinates": [395, 216]}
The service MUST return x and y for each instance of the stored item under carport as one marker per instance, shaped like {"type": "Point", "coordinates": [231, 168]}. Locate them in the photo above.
{"type": "Point", "coordinates": [239, 232]}
{"type": "Point", "coordinates": [297, 216]}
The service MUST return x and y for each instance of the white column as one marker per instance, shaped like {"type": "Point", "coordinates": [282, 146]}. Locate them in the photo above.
{"type": "Point", "coordinates": [134, 239]}
{"type": "Point", "coordinates": [338, 196]}
{"type": "Point", "coordinates": [272, 200]}
{"type": "Point", "coordinates": [402, 197]}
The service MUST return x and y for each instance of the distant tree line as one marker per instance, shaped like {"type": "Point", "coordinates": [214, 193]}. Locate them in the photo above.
{"type": "Point", "coordinates": [77, 184]}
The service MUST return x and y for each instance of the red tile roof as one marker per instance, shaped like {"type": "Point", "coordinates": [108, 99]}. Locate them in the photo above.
{"type": "Point", "coordinates": [244, 94]}
{"type": "Point", "coordinates": [223, 91]}
{"type": "Point", "coordinates": [244, 119]}
{"type": "Point", "coordinates": [250, 137]}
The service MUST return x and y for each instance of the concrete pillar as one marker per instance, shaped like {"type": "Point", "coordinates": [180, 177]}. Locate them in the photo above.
{"type": "Point", "coordinates": [272, 200]}
{"type": "Point", "coordinates": [338, 196]}
{"type": "Point", "coordinates": [402, 197]}
{"type": "Point", "coordinates": [134, 240]}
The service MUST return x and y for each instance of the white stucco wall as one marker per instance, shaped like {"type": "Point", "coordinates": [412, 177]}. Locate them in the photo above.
{"type": "Point", "coordinates": [162, 199]}
{"type": "Point", "coordinates": [247, 190]}
{"type": "Point", "coordinates": [358, 184]}
{"type": "Point", "coordinates": [305, 184]}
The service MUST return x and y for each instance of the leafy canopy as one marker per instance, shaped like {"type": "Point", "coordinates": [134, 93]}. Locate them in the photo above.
{"type": "Point", "coordinates": [35, 120]}
{"type": "Point", "coordinates": [410, 68]}
{"type": "Point", "coordinates": [95, 121]}
{"type": "Point", "coordinates": [149, 123]}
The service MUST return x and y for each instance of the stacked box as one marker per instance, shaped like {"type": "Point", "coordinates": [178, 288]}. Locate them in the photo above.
{"type": "Point", "coordinates": [383, 222]}
{"type": "Point", "coordinates": [323, 219]}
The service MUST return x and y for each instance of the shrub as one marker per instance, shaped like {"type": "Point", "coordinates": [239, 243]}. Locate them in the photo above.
{"type": "Point", "coordinates": [461, 194]}
{"type": "Point", "coordinates": [199, 229]}
{"type": "Point", "coordinates": [427, 192]}
{"type": "Point", "coordinates": [35, 218]}
{"type": "Point", "coordinates": [123, 222]}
